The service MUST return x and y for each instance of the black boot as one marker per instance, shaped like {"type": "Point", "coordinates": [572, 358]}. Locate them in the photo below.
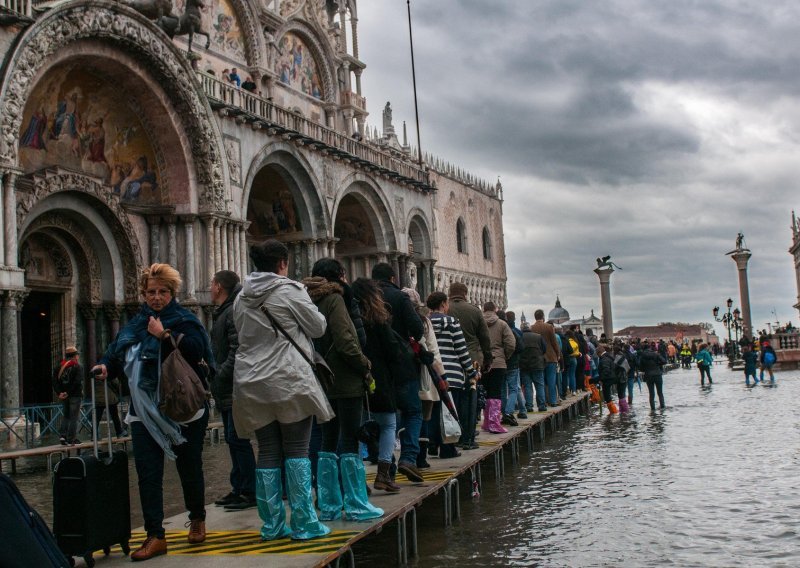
{"type": "Point", "coordinates": [422, 461]}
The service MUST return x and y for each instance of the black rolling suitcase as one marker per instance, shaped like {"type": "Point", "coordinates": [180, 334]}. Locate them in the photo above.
{"type": "Point", "coordinates": [91, 500]}
{"type": "Point", "coordinates": [25, 539]}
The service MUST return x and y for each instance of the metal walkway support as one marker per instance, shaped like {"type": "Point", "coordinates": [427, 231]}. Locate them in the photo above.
{"type": "Point", "coordinates": [452, 503]}
{"type": "Point", "coordinates": [406, 543]}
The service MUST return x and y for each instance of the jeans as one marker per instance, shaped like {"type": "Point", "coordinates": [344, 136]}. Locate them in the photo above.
{"type": "Point", "coordinates": [631, 382]}
{"type": "Point", "coordinates": [149, 459]}
{"type": "Point", "coordinates": [410, 421]}
{"type": "Point", "coordinates": [653, 384]}
{"type": "Point", "coordinates": [243, 460]}
{"type": "Point", "coordinates": [72, 415]}
{"type": "Point", "coordinates": [511, 390]}
{"type": "Point", "coordinates": [388, 424]}
{"type": "Point", "coordinates": [340, 434]}
{"type": "Point", "coordinates": [705, 371]}
{"type": "Point", "coordinates": [572, 367]}
{"type": "Point", "coordinates": [562, 382]}
{"type": "Point", "coordinates": [533, 382]}
{"type": "Point", "coordinates": [551, 380]}
{"type": "Point", "coordinates": [466, 403]}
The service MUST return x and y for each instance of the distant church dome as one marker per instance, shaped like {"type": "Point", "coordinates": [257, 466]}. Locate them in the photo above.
{"type": "Point", "coordinates": [558, 314]}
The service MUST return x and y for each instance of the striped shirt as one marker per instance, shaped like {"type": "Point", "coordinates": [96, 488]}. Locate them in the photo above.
{"type": "Point", "coordinates": [453, 349]}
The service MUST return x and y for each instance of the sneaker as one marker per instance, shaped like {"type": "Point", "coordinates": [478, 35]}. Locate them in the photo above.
{"type": "Point", "coordinates": [509, 420]}
{"type": "Point", "coordinates": [242, 502]}
{"type": "Point", "coordinates": [229, 499]}
{"type": "Point", "coordinates": [522, 415]}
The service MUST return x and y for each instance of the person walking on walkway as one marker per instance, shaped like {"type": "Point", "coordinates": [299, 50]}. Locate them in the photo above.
{"type": "Point", "coordinates": [476, 334]}
{"type": "Point", "coordinates": [459, 371]}
{"type": "Point", "coordinates": [225, 288]}
{"type": "Point", "coordinates": [607, 377]}
{"type": "Point", "coordinates": [767, 358]}
{"type": "Point", "coordinates": [503, 345]}
{"type": "Point", "coordinates": [704, 362]}
{"type": "Point", "coordinates": [407, 324]}
{"type": "Point", "coordinates": [275, 392]}
{"type": "Point", "coordinates": [68, 386]}
{"type": "Point", "coordinates": [341, 349]}
{"type": "Point", "coordinates": [511, 388]}
{"type": "Point", "coordinates": [652, 365]}
{"type": "Point", "coordinates": [532, 366]}
{"type": "Point", "coordinates": [551, 355]}
{"type": "Point", "coordinates": [138, 351]}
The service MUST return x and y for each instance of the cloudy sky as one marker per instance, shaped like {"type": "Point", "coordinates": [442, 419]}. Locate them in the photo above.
{"type": "Point", "coordinates": [650, 131]}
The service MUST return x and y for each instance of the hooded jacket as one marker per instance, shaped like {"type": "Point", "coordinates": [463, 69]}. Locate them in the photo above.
{"type": "Point", "coordinates": [501, 338]}
{"type": "Point", "coordinates": [339, 345]}
{"type": "Point", "coordinates": [271, 379]}
{"type": "Point", "coordinates": [224, 343]}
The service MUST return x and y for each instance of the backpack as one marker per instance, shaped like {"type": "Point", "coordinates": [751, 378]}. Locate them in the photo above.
{"type": "Point", "coordinates": [182, 392]}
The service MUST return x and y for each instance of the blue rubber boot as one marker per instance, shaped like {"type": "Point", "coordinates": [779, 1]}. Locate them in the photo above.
{"type": "Point", "coordinates": [354, 481]}
{"type": "Point", "coordinates": [269, 498]}
{"type": "Point", "coordinates": [329, 491]}
{"type": "Point", "coordinates": [304, 522]}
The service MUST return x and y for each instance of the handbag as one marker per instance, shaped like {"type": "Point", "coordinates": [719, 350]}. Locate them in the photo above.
{"type": "Point", "coordinates": [369, 432]}
{"type": "Point", "coordinates": [451, 429]}
{"type": "Point", "coordinates": [182, 393]}
{"type": "Point", "coordinates": [320, 367]}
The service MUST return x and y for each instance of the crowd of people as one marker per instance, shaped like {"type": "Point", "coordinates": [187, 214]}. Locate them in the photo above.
{"type": "Point", "coordinates": [399, 366]}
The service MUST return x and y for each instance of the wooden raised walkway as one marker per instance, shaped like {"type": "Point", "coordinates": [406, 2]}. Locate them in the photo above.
{"type": "Point", "coordinates": [233, 537]}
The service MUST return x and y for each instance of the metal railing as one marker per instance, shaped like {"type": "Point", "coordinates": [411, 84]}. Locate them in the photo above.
{"type": "Point", "coordinates": [310, 132]}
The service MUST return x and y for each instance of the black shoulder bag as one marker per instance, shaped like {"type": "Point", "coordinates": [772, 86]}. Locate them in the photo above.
{"type": "Point", "coordinates": [320, 367]}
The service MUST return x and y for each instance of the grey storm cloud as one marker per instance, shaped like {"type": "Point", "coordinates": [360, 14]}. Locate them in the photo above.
{"type": "Point", "coordinates": [652, 131]}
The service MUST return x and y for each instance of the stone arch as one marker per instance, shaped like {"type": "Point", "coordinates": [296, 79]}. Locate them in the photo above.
{"type": "Point", "coordinates": [320, 52]}
{"type": "Point", "coordinates": [90, 207]}
{"type": "Point", "coordinates": [299, 176]}
{"type": "Point", "coordinates": [419, 233]}
{"type": "Point", "coordinates": [255, 47]}
{"type": "Point", "coordinates": [371, 198]}
{"type": "Point", "coordinates": [115, 25]}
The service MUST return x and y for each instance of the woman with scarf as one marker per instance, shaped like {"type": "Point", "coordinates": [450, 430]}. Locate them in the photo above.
{"type": "Point", "coordinates": [137, 352]}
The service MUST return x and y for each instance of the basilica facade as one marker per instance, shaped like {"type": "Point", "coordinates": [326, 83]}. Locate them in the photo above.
{"type": "Point", "coordinates": [125, 141]}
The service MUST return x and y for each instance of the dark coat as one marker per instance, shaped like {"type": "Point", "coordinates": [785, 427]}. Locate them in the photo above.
{"type": "Point", "coordinates": [651, 363]}
{"type": "Point", "coordinates": [607, 369]}
{"type": "Point", "coordinates": [386, 355]}
{"type": "Point", "coordinates": [339, 346]}
{"type": "Point", "coordinates": [224, 343]}
{"type": "Point", "coordinates": [534, 348]}
{"type": "Point", "coordinates": [405, 319]}
{"type": "Point", "coordinates": [70, 381]}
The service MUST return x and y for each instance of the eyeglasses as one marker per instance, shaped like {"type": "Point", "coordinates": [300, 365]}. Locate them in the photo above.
{"type": "Point", "coordinates": [155, 292]}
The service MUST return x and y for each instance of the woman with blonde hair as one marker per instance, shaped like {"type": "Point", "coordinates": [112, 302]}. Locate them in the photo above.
{"type": "Point", "coordinates": [161, 326]}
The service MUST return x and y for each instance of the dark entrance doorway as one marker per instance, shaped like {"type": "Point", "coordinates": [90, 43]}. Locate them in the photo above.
{"type": "Point", "coordinates": [41, 331]}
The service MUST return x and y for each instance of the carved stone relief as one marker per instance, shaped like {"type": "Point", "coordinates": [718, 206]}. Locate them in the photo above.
{"type": "Point", "coordinates": [233, 152]}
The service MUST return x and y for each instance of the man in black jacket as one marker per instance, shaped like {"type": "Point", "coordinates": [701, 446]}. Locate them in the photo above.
{"type": "Point", "coordinates": [225, 287]}
{"type": "Point", "coordinates": [68, 385]}
{"type": "Point", "coordinates": [407, 324]}
{"type": "Point", "coordinates": [651, 363]}
{"type": "Point", "coordinates": [531, 365]}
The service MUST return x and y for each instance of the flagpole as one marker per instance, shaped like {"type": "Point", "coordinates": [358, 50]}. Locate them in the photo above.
{"type": "Point", "coordinates": [414, 80]}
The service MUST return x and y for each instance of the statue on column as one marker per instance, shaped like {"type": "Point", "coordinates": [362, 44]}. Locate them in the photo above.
{"type": "Point", "coordinates": [388, 127]}
{"type": "Point", "coordinates": [606, 262]}
{"type": "Point", "coordinates": [739, 241]}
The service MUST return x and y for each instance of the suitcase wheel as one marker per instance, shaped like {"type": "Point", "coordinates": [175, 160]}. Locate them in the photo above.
{"type": "Point", "coordinates": [126, 548]}
{"type": "Point", "coordinates": [89, 560]}
{"type": "Point", "coordinates": [106, 550]}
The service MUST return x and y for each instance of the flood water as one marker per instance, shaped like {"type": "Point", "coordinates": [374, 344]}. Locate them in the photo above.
{"type": "Point", "coordinates": [712, 480]}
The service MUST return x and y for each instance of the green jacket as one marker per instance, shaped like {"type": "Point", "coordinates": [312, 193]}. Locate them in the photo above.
{"type": "Point", "coordinates": [339, 346]}
{"type": "Point", "coordinates": [476, 332]}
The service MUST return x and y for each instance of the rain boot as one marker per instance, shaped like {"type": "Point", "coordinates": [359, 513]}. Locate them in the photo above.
{"type": "Point", "coordinates": [485, 425]}
{"type": "Point", "coordinates": [383, 480]}
{"type": "Point", "coordinates": [304, 522]}
{"type": "Point", "coordinates": [623, 405]}
{"type": "Point", "coordinates": [493, 410]}
{"type": "Point", "coordinates": [356, 505]}
{"type": "Point", "coordinates": [329, 491]}
{"type": "Point", "coordinates": [269, 499]}
{"type": "Point", "coordinates": [422, 461]}
{"type": "Point", "coordinates": [612, 408]}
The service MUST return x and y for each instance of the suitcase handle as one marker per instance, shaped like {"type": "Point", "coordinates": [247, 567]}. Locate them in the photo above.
{"type": "Point", "coordinates": [95, 423]}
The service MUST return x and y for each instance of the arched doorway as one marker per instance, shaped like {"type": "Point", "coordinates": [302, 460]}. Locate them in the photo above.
{"type": "Point", "coordinates": [283, 204]}
{"type": "Point", "coordinates": [363, 231]}
{"type": "Point", "coordinates": [420, 251]}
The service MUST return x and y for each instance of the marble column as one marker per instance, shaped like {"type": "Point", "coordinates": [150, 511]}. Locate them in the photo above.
{"type": "Point", "coordinates": [10, 379]}
{"type": "Point", "coordinates": [113, 313]}
{"type": "Point", "coordinates": [604, 274]}
{"type": "Point", "coordinates": [742, 257]}
{"type": "Point", "coordinates": [367, 267]}
{"type": "Point", "coordinates": [395, 262]}
{"type": "Point", "coordinates": [245, 251]}
{"type": "Point", "coordinates": [2, 217]}
{"type": "Point", "coordinates": [155, 239]}
{"type": "Point", "coordinates": [209, 250]}
{"type": "Point", "coordinates": [10, 218]}
{"type": "Point", "coordinates": [223, 238]}
{"type": "Point", "coordinates": [191, 269]}
{"type": "Point", "coordinates": [311, 254]}
{"type": "Point", "coordinates": [401, 272]}
{"type": "Point", "coordinates": [89, 313]}
{"type": "Point", "coordinates": [237, 249]}
{"type": "Point", "coordinates": [217, 247]}
{"type": "Point", "coordinates": [297, 252]}
{"type": "Point", "coordinates": [172, 242]}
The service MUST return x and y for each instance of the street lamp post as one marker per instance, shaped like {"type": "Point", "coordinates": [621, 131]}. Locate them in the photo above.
{"type": "Point", "coordinates": [725, 319]}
